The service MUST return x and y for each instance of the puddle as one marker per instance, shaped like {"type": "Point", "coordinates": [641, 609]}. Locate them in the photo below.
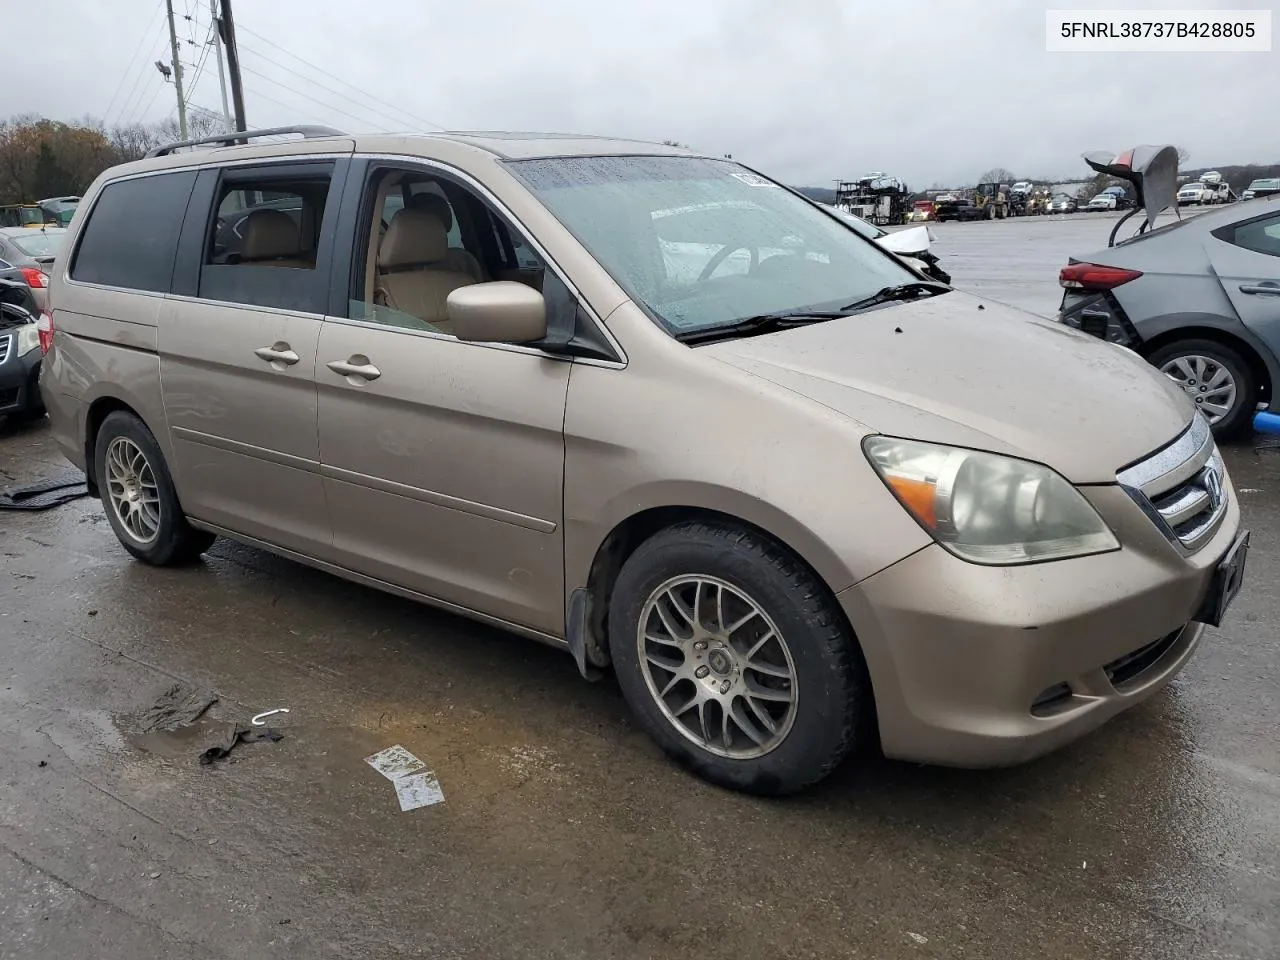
{"type": "Point", "coordinates": [182, 743]}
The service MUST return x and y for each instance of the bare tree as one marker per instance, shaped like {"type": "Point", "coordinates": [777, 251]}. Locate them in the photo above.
{"type": "Point", "coordinates": [200, 123]}
{"type": "Point", "coordinates": [997, 175]}
{"type": "Point", "coordinates": [1183, 156]}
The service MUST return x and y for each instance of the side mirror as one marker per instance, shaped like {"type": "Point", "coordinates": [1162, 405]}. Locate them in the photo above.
{"type": "Point", "coordinates": [499, 312]}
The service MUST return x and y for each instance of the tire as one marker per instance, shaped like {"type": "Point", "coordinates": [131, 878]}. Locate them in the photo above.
{"type": "Point", "coordinates": [149, 521]}
{"type": "Point", "coordinates": [831, 699]}
{"type": "Point", "coordinates": [991, 212]}
{"type": "Point", "coordinates": [1239, 416]}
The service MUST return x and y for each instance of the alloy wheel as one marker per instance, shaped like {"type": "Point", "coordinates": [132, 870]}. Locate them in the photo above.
{"type": "Point", "coordinates": [1207, 382]}
{"type": "Point", "coordinates": [717, 666]}
{"type": "Point", "coordinates": [132, 490]}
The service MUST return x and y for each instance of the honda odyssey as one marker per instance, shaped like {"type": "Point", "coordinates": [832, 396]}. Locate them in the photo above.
{"type": "Point", "coordinates": [652, 408]}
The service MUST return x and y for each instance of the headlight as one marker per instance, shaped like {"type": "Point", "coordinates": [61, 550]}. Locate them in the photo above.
{"type": "Point", "coordinates": [986, 508]}
{"type": "Point", "coordinates": [28, 338]}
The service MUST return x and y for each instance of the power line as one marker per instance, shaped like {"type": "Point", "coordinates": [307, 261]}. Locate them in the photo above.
{"type": "Point", "coordinates": [129, 66]}
{"type": "Point", "coordinates": [143, 113]}
{"type": "Point", "coordinates": [129, 101]}
{"type": "Point", "coordinates": [293, 110]}
{"type": "Point", "coordinates": [307, 96]}
{"type": "Point", "coordinates": [338, 93]}
{"type": "Point", "coordinates": [199, 69]}
{"type": "Point", "coordinates": [328, 73]}
{"type": "Point", "coordinates": [128, 111]}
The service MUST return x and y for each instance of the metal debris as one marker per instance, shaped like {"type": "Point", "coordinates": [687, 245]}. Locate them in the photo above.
{"type": "Point", "coordinates": [258, 721]}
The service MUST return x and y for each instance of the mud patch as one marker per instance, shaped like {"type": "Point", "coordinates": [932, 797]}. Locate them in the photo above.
{"type": "Point", "coordinates": [182, 743]}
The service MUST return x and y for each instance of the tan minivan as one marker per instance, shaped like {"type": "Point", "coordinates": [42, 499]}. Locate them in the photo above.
{"type": "Point", "coordinates": [653, 408]}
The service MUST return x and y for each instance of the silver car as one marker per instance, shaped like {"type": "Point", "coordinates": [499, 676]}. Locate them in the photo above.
{"type": "Point", "coordinates": [1200, 299]}
{"type": "Point", "coordinates": [27, 254]}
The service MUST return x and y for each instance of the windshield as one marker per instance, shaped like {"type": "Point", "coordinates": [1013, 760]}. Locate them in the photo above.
{"type": "Point", "coordinates": [39, 243]}
{"type": "Point", "coordinates": [1264, 185]}
{"type": "Point", "coordinates": [702, 243]}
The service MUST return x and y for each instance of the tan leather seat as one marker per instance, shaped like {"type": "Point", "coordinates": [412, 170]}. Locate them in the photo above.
{"type": "Point", "coordinates": [270, 238]}
{"type": "Point", "coordinates": [413, 274]}
{"type": "Point", "coordinates": [459, 261]}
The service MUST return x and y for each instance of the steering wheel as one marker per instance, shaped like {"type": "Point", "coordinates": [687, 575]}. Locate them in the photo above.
{"type": "Point", "coordinates": [723, 254]}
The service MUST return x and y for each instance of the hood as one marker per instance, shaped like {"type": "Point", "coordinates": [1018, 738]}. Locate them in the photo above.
{"type": "Point", "coordinates": [915, 240]}
{"type": "Point", "coordinates": [992, 378]}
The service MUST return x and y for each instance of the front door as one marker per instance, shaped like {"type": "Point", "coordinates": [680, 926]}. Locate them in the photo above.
{"type": "Point", "coordinates": [443, 461]}
{"type": "Point", "coordinates": [238, 348]}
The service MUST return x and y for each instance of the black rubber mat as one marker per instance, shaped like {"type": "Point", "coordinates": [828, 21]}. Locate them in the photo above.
{"type": "Point", "coordinates": [45, 494]}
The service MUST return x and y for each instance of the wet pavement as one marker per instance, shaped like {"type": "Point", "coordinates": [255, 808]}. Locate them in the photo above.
{"type": "Point", "coordinates": [564, 832]}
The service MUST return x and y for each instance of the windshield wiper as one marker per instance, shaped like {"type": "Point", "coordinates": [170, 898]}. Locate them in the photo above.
{"type": "Point", "coordinates": [901, 291]}
{"type": "Point", "coordinates": [761, 323]}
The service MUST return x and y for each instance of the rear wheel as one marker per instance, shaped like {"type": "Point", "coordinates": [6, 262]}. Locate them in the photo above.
{"type": "Point", "coordinates": [138, 495]}
{"type": "Point", "coordinates": [1216, 377]}
{"type": "Point", "coordinates": [735, 659]}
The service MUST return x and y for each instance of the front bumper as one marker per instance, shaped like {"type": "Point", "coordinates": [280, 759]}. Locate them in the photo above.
{"type": "Point", "coordinates": [19, 376]}
{"type": "Point", "coordinates": [990, 666]}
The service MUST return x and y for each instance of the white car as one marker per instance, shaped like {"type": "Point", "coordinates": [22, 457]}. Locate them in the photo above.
{"type": "Point", "coordinates": [1262, 188]}
{"type": "Point", "coordinates": [1191, 193]}
{"type": "Point", "coordinates": [1103, 201]}
{"type": "Point", "coordinates": [910, 245]}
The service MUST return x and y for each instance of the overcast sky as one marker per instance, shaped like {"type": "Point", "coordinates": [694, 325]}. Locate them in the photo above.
{"type": "Point", "coordinates": [934, 91]}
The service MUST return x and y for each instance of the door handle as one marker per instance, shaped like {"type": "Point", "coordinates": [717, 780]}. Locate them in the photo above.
{"type": "Point", "coordinates": [278, 353]}
{"type": "Point", "coordinates": [1265, 288]}
{"type": "Point", "coordinates": [355, 369]}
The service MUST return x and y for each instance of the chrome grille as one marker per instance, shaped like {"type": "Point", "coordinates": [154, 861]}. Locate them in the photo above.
{"type": "Point", "coordinates": [4, 346]}
{"type": "Point", "coordinates": [1181, 487]}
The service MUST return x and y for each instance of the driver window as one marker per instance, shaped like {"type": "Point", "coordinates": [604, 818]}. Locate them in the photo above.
{"type": "Point", "coordinates": [426, 236]}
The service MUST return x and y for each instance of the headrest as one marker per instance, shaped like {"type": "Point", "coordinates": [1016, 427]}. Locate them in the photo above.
{"type": "Point", "coordinates": [433, 203]}
{"type": "Point", "coordinates": [414, 236]}
{"type": "Point", "coordinates": [268, 234]}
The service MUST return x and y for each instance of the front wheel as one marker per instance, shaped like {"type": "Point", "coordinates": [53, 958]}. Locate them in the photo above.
{"type": "Point", "coordinates": [138, 495]}
{"type": "Point", "coordinates": [1217, 379]}
{"type": "Point", "coordinates": [736, 659]}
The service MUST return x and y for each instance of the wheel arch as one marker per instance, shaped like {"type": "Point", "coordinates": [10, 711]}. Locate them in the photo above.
{"type": "Point", "coordinates": [589, 601]}
{"type": "Point", "coordinates": [95, 413]}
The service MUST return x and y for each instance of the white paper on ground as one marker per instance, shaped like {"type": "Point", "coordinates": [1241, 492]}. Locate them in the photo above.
{"type": "Point", "coordinates": [419, 790]}
{"type": "Point", "coordinates": [395, 762]}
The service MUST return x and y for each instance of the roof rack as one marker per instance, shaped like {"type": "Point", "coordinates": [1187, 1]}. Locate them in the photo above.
{"type": "Point", "coordinates": [241, 136]}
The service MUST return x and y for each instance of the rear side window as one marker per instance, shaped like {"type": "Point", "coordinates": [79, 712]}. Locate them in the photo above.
{"type": "Point", "coordinates": [266, 239]}
{"type": "Point", "coordinates": [1260, 236]}
{"type": "Point", "coordinates": [244, 212]}
{"type": "Point", "coordinates": [132, 233]}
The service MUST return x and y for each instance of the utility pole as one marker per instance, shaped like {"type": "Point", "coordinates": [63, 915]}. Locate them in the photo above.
{"type": "Point", "coordinates": [217, 52]}
{"type": "Point", "coordinates": [228, 25]}
{"type": "Point", "coordinates": [177, 74]}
